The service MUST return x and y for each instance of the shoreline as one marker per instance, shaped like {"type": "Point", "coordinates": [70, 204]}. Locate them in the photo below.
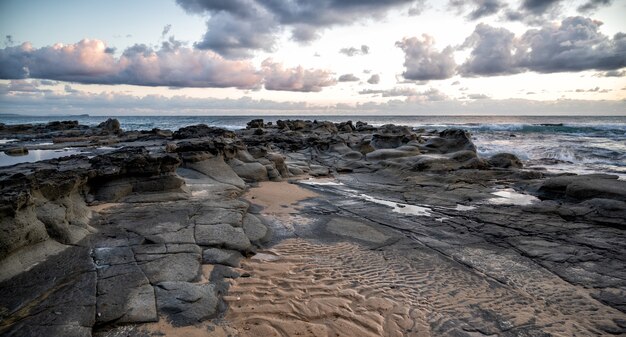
{"type": "Point", "coordinates": [312, 228]}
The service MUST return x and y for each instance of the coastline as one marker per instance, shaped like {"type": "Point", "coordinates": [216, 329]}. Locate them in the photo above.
{"type": "Point", "coordinates": [375, 230]}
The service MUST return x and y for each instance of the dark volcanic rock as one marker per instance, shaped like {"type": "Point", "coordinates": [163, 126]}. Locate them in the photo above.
{"type": "Point", "coordinates": [200, 131]}
{"type": "Point", "coordinates": [111, 125]}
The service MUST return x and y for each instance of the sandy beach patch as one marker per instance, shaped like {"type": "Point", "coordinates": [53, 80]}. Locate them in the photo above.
{"type": "Point", "coordinates": [278, 198]}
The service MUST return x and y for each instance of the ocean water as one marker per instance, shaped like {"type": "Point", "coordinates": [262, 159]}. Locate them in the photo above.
{"type": "Point", "coordinates": [579, 144]}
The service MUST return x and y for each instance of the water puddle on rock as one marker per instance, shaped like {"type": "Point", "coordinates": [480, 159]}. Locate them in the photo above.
{"type": "Point", "coordinates": [396, 206]}
{"type": "Point", "coordinates": [509, 196]}
{"type": "Point", "coordinates": [399, 207]}
{"type": "Point", "coordinates": [36, 155]}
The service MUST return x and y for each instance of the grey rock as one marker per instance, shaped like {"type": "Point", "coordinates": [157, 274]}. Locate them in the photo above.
{"type": "Point", "coordinates": [170, 267]}
{"type": "Point", "coordinates": [217, 169]}
{"type": "Point", "coordinates": [222, 256]}
{"type": "Point", "coordinates": [222, 235]}
{"type": "Point", "coordinates": [505, 160]}
{"type": "Point", "coordinates": [186, 303]}
{"type": "Point", "coordinates": [255, 230]}
{"type": "Point", "coordinates": [250, 172]}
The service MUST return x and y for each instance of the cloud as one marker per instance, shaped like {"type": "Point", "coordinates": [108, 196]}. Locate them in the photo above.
{"type": "Point", "coordinates": [423, 62]}
{"type": "Point", "coordinates": [235, 37]}
{"type": "Point", "coordinates": [576, 44]}
{"type": "Point", "coordinates": [612, 73]}
{"type": "Point", "coordinates": [237, 28]}
{"type": "Point", "coordinates": [374, 79]}
{"type": "Point", "coordinates": [88, 61]}
{"type": "Point", "coordinates": [596, 89]}
{"type": "Point", "coordinates": [477, 96]}
{"type": "Point", "coordinates": [352, 51]}
{"type": "Point", "coordinates": [480, 8]}
{"type": "Point", "coordinates": [347, 78]}
{"type": "Point", "coordinates": [295, 79]}
{"type": "Point", "coordinates": [173, 65]}
{"type": "Point", "coordinates": [592, 5]}
{"type": "Point", "coordinates": [492, 52]}
{"type": "Point", "coordinates": [535, 12]}
{"type": "Point", "coordinates": [412, 94]}
{"type": "Point", "coordinates": [166, 30]}
{"type": "Point", "coordinates": [429, 102]}
{"type": "Point", "coordinates": [538, 6]}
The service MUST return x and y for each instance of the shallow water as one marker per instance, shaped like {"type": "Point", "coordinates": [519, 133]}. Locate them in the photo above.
{"type": "Point", "coordinates": [36, 155]}
{"type": "Point", "coordinates": [511, 197]}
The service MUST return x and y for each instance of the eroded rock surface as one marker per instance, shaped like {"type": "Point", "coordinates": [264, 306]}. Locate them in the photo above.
{"type": "Point", "coordinates": [109, 242]}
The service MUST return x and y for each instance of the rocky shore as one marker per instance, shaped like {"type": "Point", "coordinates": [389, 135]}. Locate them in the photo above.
{"type": "Point", "coordinates": [301, 228]}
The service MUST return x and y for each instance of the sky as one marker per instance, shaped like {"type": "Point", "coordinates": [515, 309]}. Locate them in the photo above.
{"type": "Point", "coordinates": [303, 57]}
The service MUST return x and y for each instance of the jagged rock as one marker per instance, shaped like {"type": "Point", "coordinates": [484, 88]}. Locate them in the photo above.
{"type": "Point", "coordinates": [450, 140]}
{"type": "Point", "coordinates": [200, 131]}
{"type": "Point", "coordinates": [186, 303]}
{"type": "Point", "coordinates": [111, 125]}
{"type": "Point", "coordinates": [222, 256]}
{"type": "Point", "coordinates": [255, 123]}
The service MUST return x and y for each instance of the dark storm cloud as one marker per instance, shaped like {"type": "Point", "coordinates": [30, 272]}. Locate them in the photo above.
{"type": "Point", "coordinates": [575, 45]}
{"type": "Point", "coordinates": [423, 62]}
{"type": "Point", "coordinates": [347, 78]}
{"type": "Point", "coordinates": [234, 37]}
{"type": "Point", "coordinates": [352, 51]}
{"type": "Point", "coordinates": [538, 6]}
{"type": "Point", "coordinates": [479, 8]}
{"type": "Point", "coordinates": [236, 28]}
{"type": "Point", "coordinates": [592, 5]}
{"type": "Point", "coordinates": [172, 65]}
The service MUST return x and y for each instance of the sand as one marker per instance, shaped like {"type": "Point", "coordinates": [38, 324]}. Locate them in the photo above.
{"type": "Point", "coordinates": [278, 198]}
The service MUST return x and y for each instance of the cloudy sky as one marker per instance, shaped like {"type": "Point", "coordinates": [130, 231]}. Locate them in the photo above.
{"type": "Point", "coordinates": [301, 57]}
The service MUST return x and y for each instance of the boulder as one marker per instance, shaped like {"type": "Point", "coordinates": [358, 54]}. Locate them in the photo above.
{"type": "Point", "coordinates": [16, 151]}
{"type": "Point", "coordinates": [583, 187]}
{"type": "Point", "coordinates": [505, 160]}
{"type": "Point", "coordinates": [111, 125]}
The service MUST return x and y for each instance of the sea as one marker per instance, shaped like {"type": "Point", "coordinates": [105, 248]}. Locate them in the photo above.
{"type": "Point", "coordinates": [577, 144]}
